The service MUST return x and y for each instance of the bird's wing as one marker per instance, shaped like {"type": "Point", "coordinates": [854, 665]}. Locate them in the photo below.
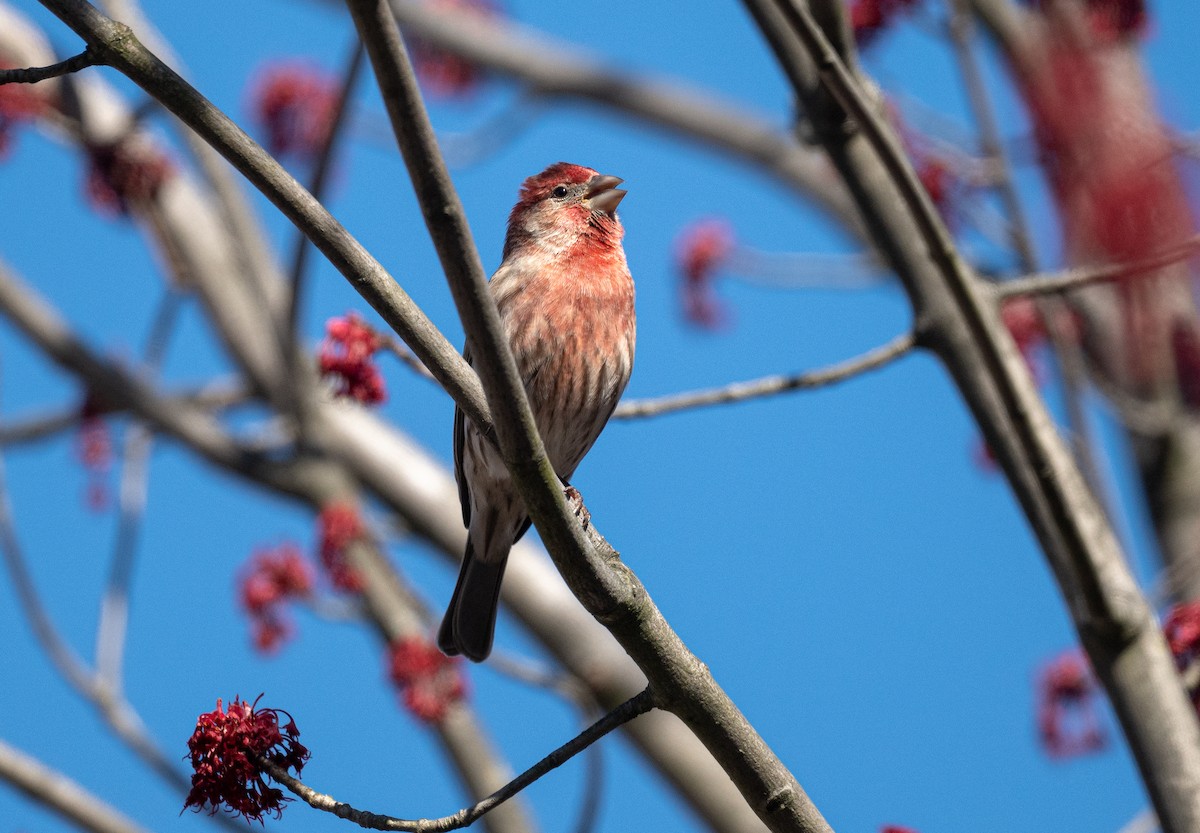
{"type": "Point", "coordinates": [460, 438]}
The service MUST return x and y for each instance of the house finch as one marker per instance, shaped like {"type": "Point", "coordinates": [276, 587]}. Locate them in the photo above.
{"type": "Point", "coordinates": [566, 301]}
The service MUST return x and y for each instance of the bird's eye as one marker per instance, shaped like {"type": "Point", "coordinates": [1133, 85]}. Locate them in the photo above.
{"type": "Point", "coordinates": [559, 192]}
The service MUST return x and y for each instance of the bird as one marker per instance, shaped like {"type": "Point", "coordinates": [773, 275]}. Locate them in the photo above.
{"type": "Point", "coordinates": [566, 303]}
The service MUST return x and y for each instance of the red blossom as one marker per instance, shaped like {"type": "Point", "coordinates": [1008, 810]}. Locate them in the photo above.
{"type": "Point", "coordinates": [895, 828]}
{"type": "Point", "coordinates": [1185, 346]}
{"type": "Point", "coordinates": [1182, 631]}
{"type": "Point", "coordinates": [700, 251]}
{"type": "Point", "coordinates": [939, 181]}
{"type": "Point", "coordinates": [339, 526]}
{"type": "Point", "coordinates": [870, 17]}
{"type": "Point", "coordinates": [1067, 715]}
{"type": "Point", "coordinates": [1110, 166]}
{"type": "Point", "coordinates": [429, 681]}
{"type": "Point", "coordinates": [125, 173]}
{"type": "Point", "coordinates": [1114, 19]}
{"type": "Point", "coordinates": [296, 104]}
{"type": "Point", "coordinates": [347, 359]}
{"type": "Point", "coordinates": [1024, 323]}
{"type": "Point", "coordinates": [19, 104]}
{"type": "Point", "coordinates": [224, 776]}
{"type": "Point", "coordinates": [443, 74]}
{"type": "Point", "coordinates": [93, 446]}
{"type": "Point", "coordinates": [274, 577]}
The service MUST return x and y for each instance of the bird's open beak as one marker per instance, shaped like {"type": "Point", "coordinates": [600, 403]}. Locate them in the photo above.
{"type": "Point", "coordinates": [603, 193]}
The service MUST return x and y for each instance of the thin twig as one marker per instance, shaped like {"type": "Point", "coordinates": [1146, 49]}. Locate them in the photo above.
{"type": "Point", "coordinates": [135, 474]}
{"type": "Point", "coordinates": [609, 590]}
{"type": "Point", "coordinates": [1067, 280]}
{"type": "Point", "coordinates": [32, 75]}
{"type": "Point", "coordinates": [115, 710]}
{"type": "Point", "coordinates": [215, 396]}
{"type": "Point", "coordinates": [537, 674]}
{"type": "Point", "coordinates": [1052, 310]}
{"type": "Point", "coordinates": [637, 705]}
{"type": "Point", "coordinates": [407, 358]}
{"type": "Point", "coordinates": [320, 177]}
{"type": "Point", "coordinates": [769, 385]}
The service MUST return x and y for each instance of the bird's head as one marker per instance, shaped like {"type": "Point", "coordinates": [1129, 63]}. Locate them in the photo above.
{"type": "Point", "coordinates": [563, 207]}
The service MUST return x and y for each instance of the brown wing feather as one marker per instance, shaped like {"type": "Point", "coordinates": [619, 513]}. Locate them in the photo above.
{"type": "Point", "coordinates": [460, 439]}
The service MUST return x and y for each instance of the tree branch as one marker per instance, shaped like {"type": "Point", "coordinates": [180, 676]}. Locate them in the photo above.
{"type": "Point", "coordinates": [1068, 280]}
{"type": "Point", "coordinates": [32, 75]}
{"type": "Point", "coordinates": [124, 52]}
{"type": "Point", "coordinates": [769, 385]}
{"type": "Point", "coordinates": [959, 322]}
{"type": "Point", "coordinates": [59, 793]}
{"type": "Point", "coordinates": [635, 706]}
{"type": "Point", "coordinates": [608, 589]}
{"type": "Point", "coordinates": [553, 69]}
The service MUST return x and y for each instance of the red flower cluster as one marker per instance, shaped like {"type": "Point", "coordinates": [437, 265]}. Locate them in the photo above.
{"type": "Point", "coordinates": [125, 173]}
{"type": "Point", "coordinates": [1110, 166]}
{"type": "Point", "coordinates": [224, 776]}
{"type": "Point", "coordinates": [339, 526]}
{"type": "Point", "coordinates": [274, 576]}
{"type": "Point", "coordinates": [870, 17]}
{"type": "Point", "coordinates": [1185, 346]}
{"type": "Point", "coordinates": [700, 250]}
{"type": "Point", "coordinates": [1067, 716]}
{"type": "Point", "coordinates": [1182, 631]}
{"type": "Point", "coordinates": [429, 681]}
{"type": "Point", "coordinates": [347, 358]}
{"type": "Point", "coordinates": [19, 104]}
{"type": "Point", "coordinates": [443, 74]}
{"type": "Point", "coordinates": [93, 445]}
{"type": "Point", "coordinates": [1114, 19]}
{"type": "Point", "coordinates": [895, 828]}
{"type": "Point", "coordinates": [296, 104]}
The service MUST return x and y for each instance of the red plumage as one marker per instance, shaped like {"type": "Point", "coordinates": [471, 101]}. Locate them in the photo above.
{"type": "Point", "coordinates": [566, 301]}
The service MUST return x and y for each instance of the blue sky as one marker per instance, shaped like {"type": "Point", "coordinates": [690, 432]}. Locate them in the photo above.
{"type": "Point", "coordinates": [870, 597]}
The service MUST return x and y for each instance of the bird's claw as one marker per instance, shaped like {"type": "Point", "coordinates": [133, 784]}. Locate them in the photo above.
{"type": "Point", "coordinates": [576, 502]}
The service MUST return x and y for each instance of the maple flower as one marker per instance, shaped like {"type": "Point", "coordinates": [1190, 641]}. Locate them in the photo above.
{"type": "Point", "coordinates": [19, 104]}
{"type": "Point", "coordinates": [429, 681]}
{"type": "Point", "coordinates": [296, 104]}
{"type": "Point", "coordinates": [870, 17]}
{"type": "Point", "coordinates": [1182, 631]}
{"type": "Point", "coordinates": [274, 577]}
{"type": "Point", "coordinates": [1067, 716]}
{"type": "Point", "coordinates": [347, 359]}
{"type": "Point", "coordinates": [700, 251]}
{"type": "Point", "coordinates": [895, 828]}
{"type": "Point", "coordinates": [224, 776]}
{"type": "Point", "coordinates": [1112, 20]}
{"type": "Point", "coordinates": [443, 74]}
{"type": "Point", "coordinates": [1185, 345]}
{"type": "Point", "coordinates": [124, 173]}
{"type": "Point", "coordinates": [93, 446]}
{"type": "Point", "coordinates": [339, 526]}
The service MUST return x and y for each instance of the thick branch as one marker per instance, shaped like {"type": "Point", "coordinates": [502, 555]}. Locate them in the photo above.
{"type": "Point", "coordinates": [122, 50]}
{"type": "Point", "coordinates": [56, 791]}
{"type": "Point", "coordinates": [607, 588]}
{"type": "Point", "coordinates": [955, 318]}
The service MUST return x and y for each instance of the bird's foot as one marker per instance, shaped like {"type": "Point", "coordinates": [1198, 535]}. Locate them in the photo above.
{"type": "Point", "coordinates": [575, 500]}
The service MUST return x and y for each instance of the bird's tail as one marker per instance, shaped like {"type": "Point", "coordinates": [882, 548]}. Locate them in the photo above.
{"type": "Point", "coordinates": [470, 621]}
